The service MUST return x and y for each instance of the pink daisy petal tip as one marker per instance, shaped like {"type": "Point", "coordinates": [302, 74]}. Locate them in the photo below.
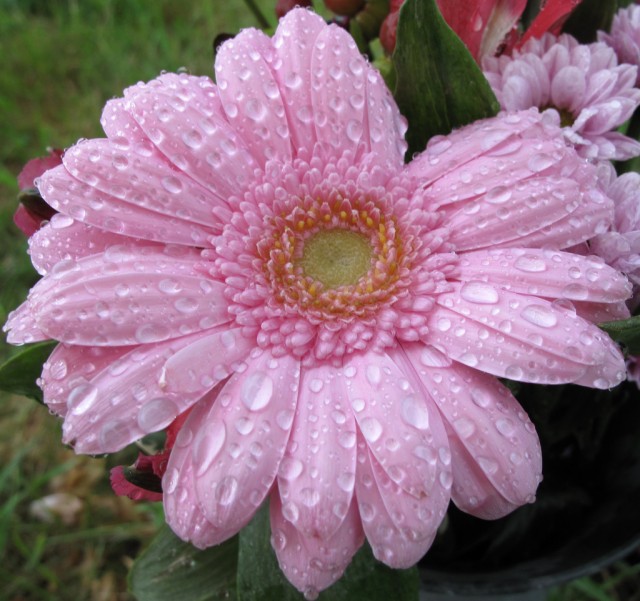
{"type": "Point", "coordinates": [334, 320]}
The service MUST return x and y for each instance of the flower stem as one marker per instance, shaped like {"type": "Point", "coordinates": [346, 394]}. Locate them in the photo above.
{"type": "Point", "coordinates": [253, 7]}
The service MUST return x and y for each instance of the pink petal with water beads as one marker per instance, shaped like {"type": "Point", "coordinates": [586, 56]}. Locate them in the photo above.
{"type": "Point", "coordinates": [70, 366]}
{"type": "Point", "coordinates": [181, 506]}
{"type": "Point", "coordinates": [498, 452]}
{"type": "Point", "coordinates": [64, 239]}
{"type": "Point", "coordinates": [550, 211]}
{"type": "Point", "coordinates": [394, 419]}
{"type": "Point", "coordinates": [294, 42]}
{"type": "Point", "coordinates": [179, 118]}
{"type": "Point", "coordinates": [317, 474]}
{"type": "Point", "coordinates": [338, 91]}
{"type": "Point", "coordinates": [520, 337]}
{"type": "Point", "coordinates": [312, 564]}
{"type": "Point", "coordinates": [21, 326]}
{"type": "Point", "coordinates": [210, 359]}
{"type": "Point", "coordinates": [601, 312]}
{"type": "Point", "coordinates": [250, 95]}
{"type": "Point", "coordinates": [401, 527]}
{"type": "Point", "coordinates": [547, 273]}
{"type": "Point", "coordinates": [146, 182]}
{"type": "Point", "coordinates": [84, 203]}
{"type": "Point", "coordinates": [239, 444]}
{"type": "Point", "coordinates": [125, 296]}
{"type": "Point", "coordinates": [504, 141]}
{"type": "Point", "coordinates": [124, 401]}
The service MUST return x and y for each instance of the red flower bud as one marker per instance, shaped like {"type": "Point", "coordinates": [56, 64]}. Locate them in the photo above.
{"type": "Point", "coordinates": [347, 8]}
{"type": "Point", "coordinates": [284, 6]}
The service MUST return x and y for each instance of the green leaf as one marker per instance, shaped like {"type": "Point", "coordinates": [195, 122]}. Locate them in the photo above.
{"type": "Point", "coordinates": [172, 570]}
{"type": "Point", "coordinates": [19, 374]}
{"type": "Point", "coordinates": [626, 331]}
{"type": "Point", "coordinates": [260, 578]}
{"type": "Point", "coordinates": [439, 85]}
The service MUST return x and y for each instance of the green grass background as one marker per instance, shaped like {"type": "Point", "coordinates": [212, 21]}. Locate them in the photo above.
{"type": "Point", "coordinates": [61, 60]}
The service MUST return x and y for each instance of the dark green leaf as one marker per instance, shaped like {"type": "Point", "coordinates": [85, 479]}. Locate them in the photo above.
{"type": "Point", "coordinates": [626, 332]}
{"type": "Point", "coordinates": [439, 85]}
{"type": "Point", "coordinates": [260, 578]}
{"type": "Point", "coordinates": [588, 18]}
{"type": "Point", "coordinates": [172, 570]}
{"type": "Point", "coordinates": [19, 374]}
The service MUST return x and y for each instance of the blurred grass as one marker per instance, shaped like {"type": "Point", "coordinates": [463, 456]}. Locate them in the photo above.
{"type": "Point", "coordinates": [62, 60]}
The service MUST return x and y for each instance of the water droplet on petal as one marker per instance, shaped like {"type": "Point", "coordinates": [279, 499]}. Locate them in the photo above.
{"type": "Point", "coordinates": [157, 414]}
{"type": "Point", "coordinates": [257, 390]}
{"type": "Point", "coordinates": [207, 446]}
{"type": "Point", "coordinates": [371, 429]}
{"type": "Point", "coordinates": [480, 293]}
{"type": "Point", "coordinates": [415, 413]}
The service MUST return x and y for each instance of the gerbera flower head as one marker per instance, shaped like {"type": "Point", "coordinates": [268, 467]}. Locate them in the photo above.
{"type": "Point", "coordinates": [624, 36]}
{"type": "Point", "coordinates": [256, 251]}
{"type": "Point", "coordinates": [591, 92]}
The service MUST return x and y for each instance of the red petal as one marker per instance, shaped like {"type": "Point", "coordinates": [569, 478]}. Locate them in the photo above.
{"type": "Point", "coordinates": [550, 19]}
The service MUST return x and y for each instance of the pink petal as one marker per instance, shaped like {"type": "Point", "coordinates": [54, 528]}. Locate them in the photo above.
{"type": "Point", "coordinates": [126, 296]}
{"type": "Point", "coordinates": [317, 474]}
{"type": "Point", "coordinates": [251, 97]}
{"type": "Point", "coordinates": [395, 421]}
{"type": "Point", "coordinates": [21, 326]}
{"type": "Point", "coordinates": [124, 401]}
{"type": "Point", "coordinates": [157, 186]}
{"type": "Point", "coordinates": [310, 564]}
{"type": "Point", "coordinates": [501, 136]}
{"type": "Point", "coordinates": [294, 42]}
{"type": "Point", "coordinates": [207, 361]}
{"type": "Point", "coordinates": [84, 203]}
{"type": "Point", "coordinates": [502, 459]}
{"type": "Point", "coordinates": [338, 90]}
{"type": "Point", "coordinates": [70, 366]}
{"type": "Point", "coordinates": [521, 338]}
{"type": "Point", "coordinates": [547, 273]}
{"type": "Point", "coordinates": [600, 312]}
{"type": "Point", "coordinates": [196, 139]}
{"type": "Point", "coordinates": [400, 527]}
{"type": "Point", "coordinates": [239, 444]}
{"type": "Point", "coordinates": [181, 507]}
{"type": "Point", "coordinates": [64, 239]}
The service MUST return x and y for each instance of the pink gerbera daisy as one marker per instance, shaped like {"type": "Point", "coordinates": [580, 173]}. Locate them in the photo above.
{"type": "Point", "coordinates": [256, 251]}
{"type": "Point", "coordinates": [592, 93]}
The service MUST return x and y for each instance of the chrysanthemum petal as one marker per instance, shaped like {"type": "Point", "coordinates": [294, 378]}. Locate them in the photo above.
{"type": "Point", "coordinates": [521, 337]}
{"type": "Point", "coordinates": [64, 239]}
{"type": "Point", "coordinates": [251, 97]}
{"type": "Point", "coordinates": [317, 474]}
{"type": "Point", "coordinates": [312, 565]}
{"type": "Point", "coordinates": [127, 296]}
{"type": "Point", "coordinates": [124, 400]}
{"type": "Point", "coordinates": [238, 445]}
{"type": "Point", "coordinates": [84, 203]}
{"type": "Point", "coordinates": [499, 452]}
{"type": "Point", "coordinates": [547, 273]}
{"type": "Point", "coordinates": [207, 361]}
{"type": "Point", "coordinates": [395, 421]}
{"type": "Point", "coordinates": [400, 527]}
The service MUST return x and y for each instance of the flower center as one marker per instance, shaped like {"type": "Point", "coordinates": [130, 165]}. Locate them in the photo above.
{"type": "Point", "coordinates": [336, 257]}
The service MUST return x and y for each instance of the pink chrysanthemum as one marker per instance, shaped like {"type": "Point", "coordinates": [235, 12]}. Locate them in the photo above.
{"type": "Point", "coordinates": [620, 246]}
{"type": "Point", "coordinates": [624, 36]}
{"type": "Point", "coordinates": [256, 251]}
{"type": "Point", "coordinates": [592, 93]}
